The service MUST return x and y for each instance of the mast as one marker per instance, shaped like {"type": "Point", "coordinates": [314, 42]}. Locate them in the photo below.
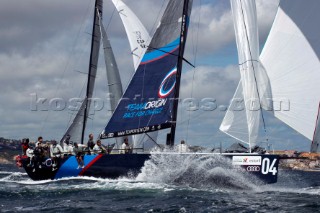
{"type": "Point", "coordinates": [183, 35]}
{"type": "Point", "coordinates": [94, 55]}
{"type": "Point", "coordinates": [316, 137]}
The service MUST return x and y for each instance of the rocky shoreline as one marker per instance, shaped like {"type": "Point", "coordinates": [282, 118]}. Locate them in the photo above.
{"type": "Point", "coordinates": [303, 161]}
{"type": "Point", "coordinates": [300, 164]}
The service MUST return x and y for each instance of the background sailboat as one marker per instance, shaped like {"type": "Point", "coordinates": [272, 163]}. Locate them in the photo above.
{"type": "Point", "coordinates": [244, 115]}
{"type": "Point", "coordinates": [291, 59]}
{"type": "Point", "coordinates": [284, 78]}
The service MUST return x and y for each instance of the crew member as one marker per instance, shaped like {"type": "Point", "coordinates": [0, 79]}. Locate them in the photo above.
{"type": "Point", "coordinates": [125, 147]}
{"type": "Point", "coordinates": [30, 155]}
{"type": "Point", "coordinates": [182, 147]}
{"type": "Point", "coordinates": [98, 148]}
{"type": "Point", "coordinates": [38, 155]}
{"type": "Point", "coordinates": [25, 145]}
{"type": "Point", "coordinates": [90, 144]}
{"type": "Point", "coordinates": [56, 152]}
{"type": "Point", "coordinates": [78, 151]}
{"type": "Point", "coordinates": [65, 143]}
{"type": "Point", "coordinates": [39, 141]}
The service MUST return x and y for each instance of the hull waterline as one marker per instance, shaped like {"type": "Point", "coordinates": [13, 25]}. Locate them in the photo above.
{"type": "Point", "coordinates": [264, 167]}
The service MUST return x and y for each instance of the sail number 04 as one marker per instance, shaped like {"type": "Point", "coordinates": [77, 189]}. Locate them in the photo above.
{"type": "Point", "coordinates": [267, 167]}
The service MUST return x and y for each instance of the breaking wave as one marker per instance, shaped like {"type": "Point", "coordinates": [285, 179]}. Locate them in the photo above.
{"type": "Point", "coordinates": [196, 171]}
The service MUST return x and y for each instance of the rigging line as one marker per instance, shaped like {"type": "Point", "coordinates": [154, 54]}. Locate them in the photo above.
{"type": "Point", "coordinates": [154, 24]}
{"type": "Point", "coordinates": [73, 113]}
{"type": "Point", "coordinates": [185, 60]}
{"type": "Point", "coordinates": [254, 74]}
{"type": "Point", "coordinates": [248, 61]}
{"type": "Point", "coordinates": [66, 66]}
{"type": "Point", "coordinates": [152, 139]}
{"type": "Point", "coordinates": [110, 19]}
{"type": "Point", "coordinates": [194, 70]}
{"type": "Point", "coordinates": [152, 31]}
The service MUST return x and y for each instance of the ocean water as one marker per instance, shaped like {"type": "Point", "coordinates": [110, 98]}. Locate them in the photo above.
{"type": "Point", "coordinates": [164, 185]}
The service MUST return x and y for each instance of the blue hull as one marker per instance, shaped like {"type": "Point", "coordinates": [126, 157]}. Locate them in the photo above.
{"type": "Point", "coordinates": [265, 167]}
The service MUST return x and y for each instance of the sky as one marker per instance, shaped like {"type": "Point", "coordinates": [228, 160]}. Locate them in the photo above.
{"type": "Point", "coordinates": [44, 47]}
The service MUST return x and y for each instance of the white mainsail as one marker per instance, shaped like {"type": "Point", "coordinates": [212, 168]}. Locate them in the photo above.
{"type": "Point", "coordinates": [244, 125]}
{"type": "Point", "coordinates": [291, 58]}
{"type": "Point", "coordinates": [138, 36]}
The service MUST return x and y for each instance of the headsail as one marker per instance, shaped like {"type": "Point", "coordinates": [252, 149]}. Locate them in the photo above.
{"type": "Point", "coordinates": [77, 128]}
{"type": "Point", "coordinates": [138, 36]}
{"type": "Point", "coordinates": [246, 31]}
{"type": "Point", "coordinates": [147, 103]}
{"type": "Point", "coordinates": [291, 58]}
{"type": "Point", "coordinates": [234, 122]}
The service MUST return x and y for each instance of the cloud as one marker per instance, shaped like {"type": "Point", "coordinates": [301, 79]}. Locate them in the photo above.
{"type": "Point", "coordinates": [45, 48]}
{"type": "Point", "coordinates": [25, 24]}
{"type": "Point", "coordinates": [209, 81]}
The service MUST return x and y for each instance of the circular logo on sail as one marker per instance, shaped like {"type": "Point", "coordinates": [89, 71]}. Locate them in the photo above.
{"type": "Point", "coordinates": [167, 84]}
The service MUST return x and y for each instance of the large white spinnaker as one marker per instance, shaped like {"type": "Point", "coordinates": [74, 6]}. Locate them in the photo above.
{"type": "Point", "coordinates": [246, 31]}
{"type": "Point", "coordinates": [139, 40]}
{"type": "Point", "coordinates": [138, 36]}
{"type": "Point", "coordinates": [291, 58]}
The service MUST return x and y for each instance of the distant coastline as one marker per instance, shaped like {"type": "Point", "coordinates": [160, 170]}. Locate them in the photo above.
{"type": "Point", "coordinates": [8, 149]}
{"type": "Point", "coordinates": [303, 161]}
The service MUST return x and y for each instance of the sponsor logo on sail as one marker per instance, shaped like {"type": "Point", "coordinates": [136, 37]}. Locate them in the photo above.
{"type": "Point", "coordinates": [167, 86]}
{"type": "Point", "coordinates": [246, 160]}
